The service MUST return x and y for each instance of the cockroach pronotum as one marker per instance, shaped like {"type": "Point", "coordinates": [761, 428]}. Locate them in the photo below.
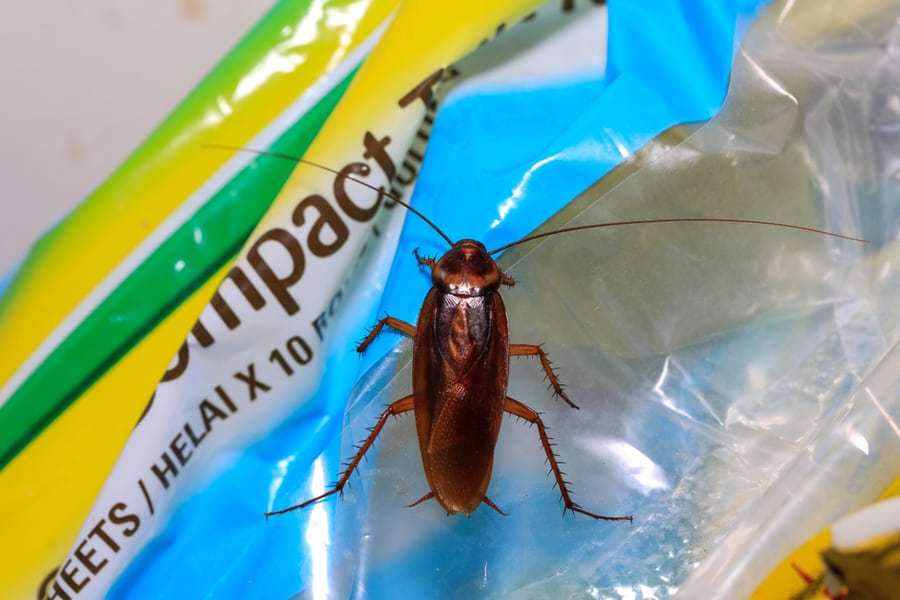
{"type": "Point", "coordinates": [460, 366]}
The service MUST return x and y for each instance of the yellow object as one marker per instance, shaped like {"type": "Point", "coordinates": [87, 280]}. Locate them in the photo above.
{"type": "Point", "coordinates": [869, 570]}
{"type": "Point", "coordinates": [51, 485]}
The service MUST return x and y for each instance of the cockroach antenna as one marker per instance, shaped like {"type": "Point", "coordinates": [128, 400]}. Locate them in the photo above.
{"type": "Point", "coordinates": [538, 236]}
{"type": "Point", "coordinates": [336, 172]}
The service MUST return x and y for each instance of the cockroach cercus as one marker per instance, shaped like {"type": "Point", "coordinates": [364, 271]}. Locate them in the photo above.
{"type": "Point", "coordinates": [460, 365]}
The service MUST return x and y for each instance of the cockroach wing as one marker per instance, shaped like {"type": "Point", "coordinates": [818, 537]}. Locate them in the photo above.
{"type": "Point", "coordinates": [460, 375]}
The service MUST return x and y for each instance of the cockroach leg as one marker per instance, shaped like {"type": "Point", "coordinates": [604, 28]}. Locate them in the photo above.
{"type": "Point", "coordinates": [514, 407]}
{"type": "Point", "coordinates": [424, 261]}
{"type": "Point", "coordinates": [490, 503]}
{"type": "Point", "coordinates": [401, 326]}
{"type": "Point", "coordinates": [427, 496]}
{"type": "Point", "coordinates": [401, 406]}
{"type": "Point", "coordinates": [485, 499]}
{"type": "Point", "coordinates": [533, 350]}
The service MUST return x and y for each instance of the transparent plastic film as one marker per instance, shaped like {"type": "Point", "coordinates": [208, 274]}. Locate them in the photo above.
{"type": "Point", "coordinates": [738, 384]}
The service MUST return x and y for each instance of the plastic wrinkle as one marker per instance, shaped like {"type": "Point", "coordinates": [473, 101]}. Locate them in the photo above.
{"type": "Point", "coordinates": [738, 385]}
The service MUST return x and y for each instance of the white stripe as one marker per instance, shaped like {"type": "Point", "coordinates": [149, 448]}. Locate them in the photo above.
{"type": "Point", "coordinates": [186, 210]}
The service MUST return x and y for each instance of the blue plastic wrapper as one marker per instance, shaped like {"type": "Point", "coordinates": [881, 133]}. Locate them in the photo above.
{"type": "Point", "coordinates": [706, 359]}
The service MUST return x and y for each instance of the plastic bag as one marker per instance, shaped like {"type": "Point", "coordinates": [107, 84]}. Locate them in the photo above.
{"type": "Point", "coordinates": [713, 363]}
{"type": "Point", "coordinates": [738, 384]}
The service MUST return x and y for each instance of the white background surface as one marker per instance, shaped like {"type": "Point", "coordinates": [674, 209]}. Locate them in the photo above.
{"type": "Point", "coordinates": [84, 82]}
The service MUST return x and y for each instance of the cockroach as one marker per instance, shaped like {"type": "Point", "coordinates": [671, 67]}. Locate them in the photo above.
{"type": "Point", "coordinates": [460, 364]}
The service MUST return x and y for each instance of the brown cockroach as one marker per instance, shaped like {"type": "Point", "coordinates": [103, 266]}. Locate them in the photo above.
{"type": "Point", "coordinates": [460, 366]}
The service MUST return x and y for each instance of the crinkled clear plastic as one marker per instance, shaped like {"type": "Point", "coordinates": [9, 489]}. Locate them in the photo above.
{"type": "Point", "coordinates": [738, 384]}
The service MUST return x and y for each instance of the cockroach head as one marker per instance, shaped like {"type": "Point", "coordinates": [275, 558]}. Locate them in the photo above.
{"type": "Point", "coordinates": [466, 270]}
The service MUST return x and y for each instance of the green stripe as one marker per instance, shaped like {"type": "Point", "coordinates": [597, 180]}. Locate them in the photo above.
{"type": "Point", "coordinates": [155, 288]}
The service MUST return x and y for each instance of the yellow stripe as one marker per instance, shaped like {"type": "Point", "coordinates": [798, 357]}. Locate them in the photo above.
{"type": "Point", "coordinates": [48, 489]}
